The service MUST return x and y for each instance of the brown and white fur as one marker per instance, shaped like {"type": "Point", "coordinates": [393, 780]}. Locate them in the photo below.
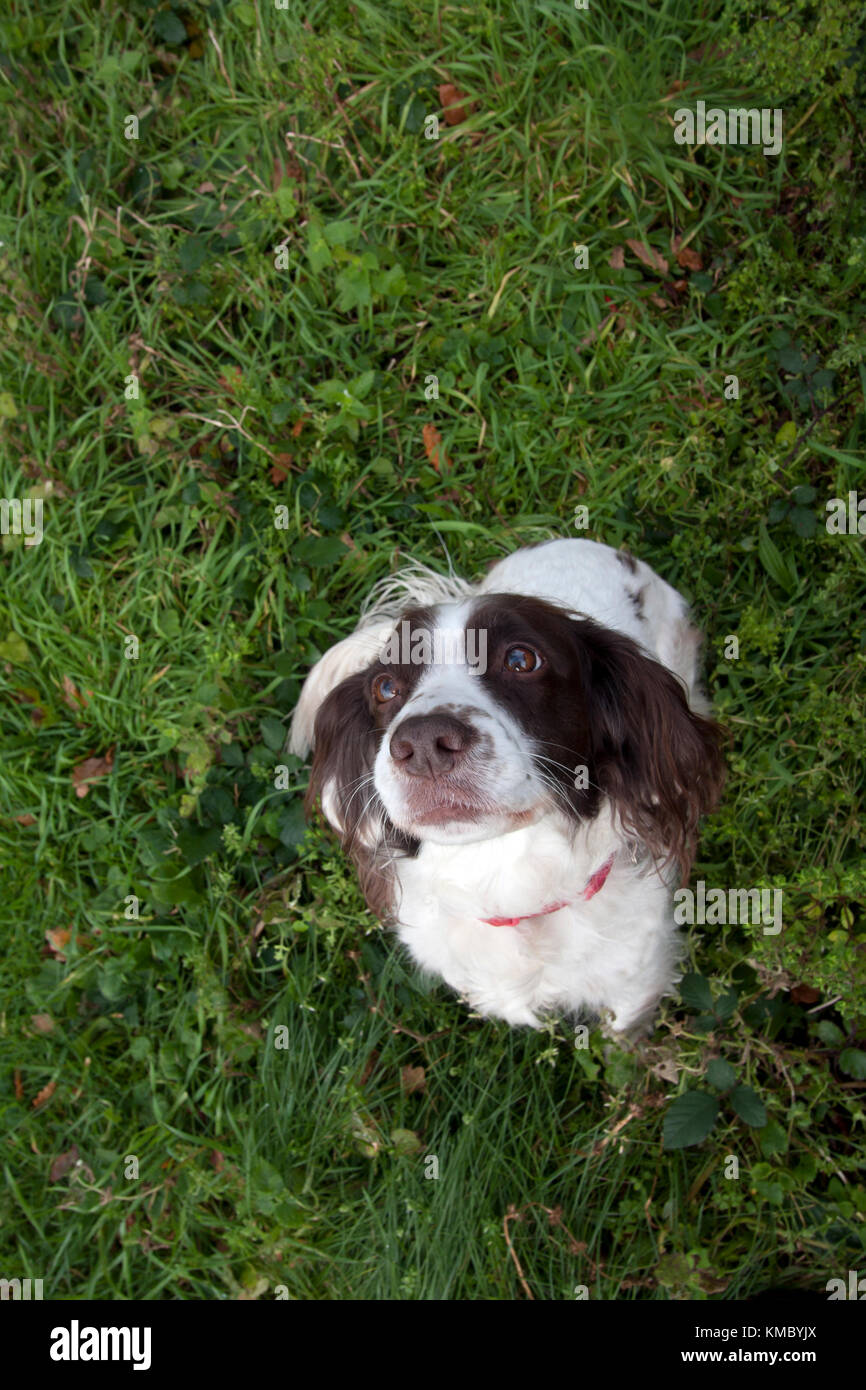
{"type": "Point", "coordinates": [555, 785]}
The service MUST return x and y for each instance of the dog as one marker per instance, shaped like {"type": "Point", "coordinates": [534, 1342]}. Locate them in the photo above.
{"type": "Point", "coordinates": [518, 769]}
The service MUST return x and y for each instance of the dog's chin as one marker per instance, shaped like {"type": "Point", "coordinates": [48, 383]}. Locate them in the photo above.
{"type": "Point", "coordinates": [449, 825]}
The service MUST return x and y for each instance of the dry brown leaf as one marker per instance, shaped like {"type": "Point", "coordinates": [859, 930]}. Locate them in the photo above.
{"type": "Point", "coordinates": [90, 770]}
{"type": "Point", "coordinates": [298, 426]}
{"type": "Point", "coordinates": [43, 1023]}
{"type": "Point", "coordinates": [413, 1079]}
{"type": "Point", "coordinates": [805, 994]}
{"type": "Point", "coordinates": [19, 1084]}
{"type": "Point", "coordinates": [689, 259]}
{"type": "Point", "coordinates": [63, 1163]}
{"type": "Point", "coordinates": [453, 100]}
{"type": "Point", "coordinates": [647, 255]}
{"type": "Point", "coordinates": [280, 470]}
{"type": "Point", "coordinates": [58, 938]}
{"type": "Point", "coordinates": [616, 259]}
{"type": "Point", "coordinates": [26, 820]}
{"type": "Point", "coordinates": [284, 169]}
{"type": "Point", "coordinates": [71, 696]}
{"type": "Point", "coordinates": [45, 1094]}
{"type": "Point", "coordinates": [432, 440]}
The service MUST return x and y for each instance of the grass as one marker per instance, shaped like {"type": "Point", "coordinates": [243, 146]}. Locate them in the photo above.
{"type": "Point", "coordinates": [244, 1091]}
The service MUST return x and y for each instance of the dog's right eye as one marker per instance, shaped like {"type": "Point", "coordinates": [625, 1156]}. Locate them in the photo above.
{"type": "Point", "coordinates": [522, 660]}
{"type": "Point", "coordinates": [385, 688]}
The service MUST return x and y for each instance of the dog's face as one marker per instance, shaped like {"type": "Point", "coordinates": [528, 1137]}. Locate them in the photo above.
{"type": "Point", "coordinates": [477, 718]}
{"type": "Point", "coordinates": [469, 737]}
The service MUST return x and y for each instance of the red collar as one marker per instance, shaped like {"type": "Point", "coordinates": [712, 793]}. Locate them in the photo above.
{"type": "Point", "coordinates": [594, 885]}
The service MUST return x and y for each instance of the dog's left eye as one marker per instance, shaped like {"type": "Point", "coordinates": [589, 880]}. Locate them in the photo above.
{"type": "Point", "coordinates": [385, 688]}
{"type": "Point", "coordinates": [522, 660]}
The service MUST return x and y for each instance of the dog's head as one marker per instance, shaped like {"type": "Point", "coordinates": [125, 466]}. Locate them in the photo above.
{"type": "Point", "coordinates": [475, 718]}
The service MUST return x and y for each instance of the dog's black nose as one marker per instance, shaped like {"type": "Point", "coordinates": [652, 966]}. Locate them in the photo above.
{"type": "Point", "coordinates": [429, 745]}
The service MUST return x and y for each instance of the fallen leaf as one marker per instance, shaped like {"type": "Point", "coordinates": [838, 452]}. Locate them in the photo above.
{"type": "Point", "coordinates": [158, 676]}
{"type": "Point", "coordinates": [298, 426]}
{"type": "Point", "coordinates": [62, 1164]}
{"type": "Point", "coordinates": [285, 169]}
{"type": "Point", "coordinates": [45, 1094]}
{"type": "Point", "coordinates": [412, 1079]}
{"type": "Point", "coordinates": [805, 994]}
{"type": "Point", "coordinates": [43, 1023]}
{"type": "Point", "coordinates": [647, 256]}
{"type": "Point", "coordinates": [26, 820]}
{"type": "Point", "coordinates": [58, 938]}
{"type": "Point", "coordinates": [280, 469]}
{"type": "Point", "coordinates": [19, 1085]}
{"type": "Point", "coordinates": [71, 696]}
{"type": "Point", "coordinates": [90, 770]}
{"type": "Point", "coordinates": [452, 100]}
{"type": "Point", "coordinates": [689, 259]}
{"type": "Point", "coordinates": [432, 440]}
{"type": "Point", "coordinates": [616, 259]}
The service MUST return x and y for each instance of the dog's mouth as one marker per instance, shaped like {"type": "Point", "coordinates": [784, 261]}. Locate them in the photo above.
{"type": "Point", "coordinates": [462, 808]}
{"type": "Point", "coordinates": [462, 818]}
{"type": "Point", "coordinates": [444, 815]}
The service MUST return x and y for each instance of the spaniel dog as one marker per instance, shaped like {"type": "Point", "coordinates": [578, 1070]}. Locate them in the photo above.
{"type": "Point", "coordinates": [517, 769]}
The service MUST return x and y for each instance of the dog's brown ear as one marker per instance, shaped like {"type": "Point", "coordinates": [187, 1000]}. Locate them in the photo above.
{"type": "Point", "coordinates": [344, 751]}
{"type": "Point", "coordinates": [344, 747]}
{"type": "Point", "coordinates": [346, 658]}
{"type": "Point", "coordinates": [659, 762]}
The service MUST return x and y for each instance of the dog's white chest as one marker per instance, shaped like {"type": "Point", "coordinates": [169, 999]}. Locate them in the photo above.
{"type": "Point", "coordinates": [614, 949]}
